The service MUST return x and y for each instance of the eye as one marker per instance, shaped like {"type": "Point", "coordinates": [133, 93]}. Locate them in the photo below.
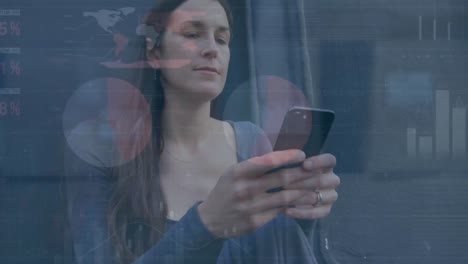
{"type": "Point", "coordinates": [191, 35]}
{"type": "Point", "coordinates": [221, 41]}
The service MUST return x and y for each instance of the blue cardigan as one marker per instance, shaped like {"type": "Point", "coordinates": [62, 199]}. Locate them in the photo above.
{"type": "Point", "coordinates": [282, 240]}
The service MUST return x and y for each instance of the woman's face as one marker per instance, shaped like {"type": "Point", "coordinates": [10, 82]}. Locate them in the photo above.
{"type": "Point", "coordinates": [198, 31]}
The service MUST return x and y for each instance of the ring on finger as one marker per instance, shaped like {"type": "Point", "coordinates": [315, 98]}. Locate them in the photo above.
{"type": "Point", "coordinates": [319, 199]}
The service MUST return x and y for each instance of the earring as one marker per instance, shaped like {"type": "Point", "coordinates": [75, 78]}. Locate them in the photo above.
{"type": "Point", "coordinates": [148, 31]}
{"type": "Point", "coordinates": [157, 42]}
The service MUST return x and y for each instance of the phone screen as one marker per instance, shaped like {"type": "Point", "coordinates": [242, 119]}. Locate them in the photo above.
{"type": "Point", "coordinates": [305, 129]}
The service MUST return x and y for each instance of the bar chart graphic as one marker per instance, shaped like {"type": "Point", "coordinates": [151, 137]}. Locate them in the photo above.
{"type": "Point", "coordinates": [450, 133]}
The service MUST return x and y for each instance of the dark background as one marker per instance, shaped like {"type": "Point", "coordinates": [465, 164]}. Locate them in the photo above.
{"type": "Point", "coordinates": [391, 209]}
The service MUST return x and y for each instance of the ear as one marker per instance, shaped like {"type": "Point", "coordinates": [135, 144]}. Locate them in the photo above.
{"type": "Point", "coordinates": [152, 53]}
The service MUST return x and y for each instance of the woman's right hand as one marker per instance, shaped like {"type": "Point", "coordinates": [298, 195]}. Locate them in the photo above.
{"type": "Point", "coordinates": [239, 203]}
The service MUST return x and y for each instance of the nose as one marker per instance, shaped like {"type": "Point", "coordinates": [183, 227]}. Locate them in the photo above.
{"type": "Point", "coordinates": [210, 48]}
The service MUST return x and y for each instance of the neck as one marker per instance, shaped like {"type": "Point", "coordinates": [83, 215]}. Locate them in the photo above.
{"type": "Point", "coordinates": [186, 122]}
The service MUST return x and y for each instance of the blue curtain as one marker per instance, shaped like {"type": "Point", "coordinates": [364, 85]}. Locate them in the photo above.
{"type": "Point", "coordinates": [280, 61]}
{"type": "Point", "coordinates": [279, 68]}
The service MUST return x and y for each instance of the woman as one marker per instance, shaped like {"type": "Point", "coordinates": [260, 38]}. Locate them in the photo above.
{"type": "Point", "coordinates": [197, 192]}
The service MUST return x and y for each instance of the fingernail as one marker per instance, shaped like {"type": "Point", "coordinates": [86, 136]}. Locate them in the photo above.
{"type": "Point", "coordinates": [302, 155]}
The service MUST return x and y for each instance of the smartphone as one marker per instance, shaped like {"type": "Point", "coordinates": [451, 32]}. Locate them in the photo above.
{"type": "Point", "coordinates": [306, 129]}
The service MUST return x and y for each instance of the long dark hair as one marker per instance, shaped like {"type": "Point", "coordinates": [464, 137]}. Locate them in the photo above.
{"type": "Point", "coordinates": [137, 209]}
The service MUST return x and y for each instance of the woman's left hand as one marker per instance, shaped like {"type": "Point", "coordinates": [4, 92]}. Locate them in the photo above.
{"type": "Point", "coordinates": [320, 188]}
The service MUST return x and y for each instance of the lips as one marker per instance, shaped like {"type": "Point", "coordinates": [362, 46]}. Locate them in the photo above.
{"type": "Point", "coordinates": [211, 69]}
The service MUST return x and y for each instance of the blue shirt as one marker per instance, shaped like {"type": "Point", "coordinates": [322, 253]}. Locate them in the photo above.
{"type": "Point", "coordinates": [282, 240]}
